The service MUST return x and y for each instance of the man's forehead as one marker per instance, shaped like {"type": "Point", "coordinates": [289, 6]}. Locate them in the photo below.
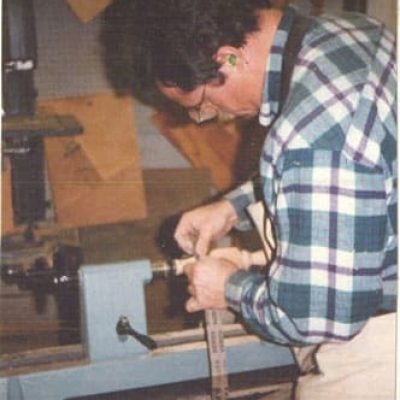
{"type": "Point", "coordinates": [184, 98]}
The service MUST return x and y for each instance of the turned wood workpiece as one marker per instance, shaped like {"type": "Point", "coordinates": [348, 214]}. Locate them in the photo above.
{"type": "Point", "coordinates": [243, 259]}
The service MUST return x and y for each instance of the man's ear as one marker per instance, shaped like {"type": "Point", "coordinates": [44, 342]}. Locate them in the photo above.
{"type": "Point", "coordinates": [229, 56]}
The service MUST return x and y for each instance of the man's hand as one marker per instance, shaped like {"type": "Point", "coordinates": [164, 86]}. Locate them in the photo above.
{"type": "Point", "coordinates": [207, 279]}
{"type": "Point", "coordinates": [198, 228]}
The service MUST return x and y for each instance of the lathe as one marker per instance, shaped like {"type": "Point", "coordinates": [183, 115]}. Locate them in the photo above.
{"type": "Point", "coordinates": [116, 353]}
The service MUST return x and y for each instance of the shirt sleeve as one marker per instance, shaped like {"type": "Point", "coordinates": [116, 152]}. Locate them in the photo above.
{"type": "Point", "coordinates": [241, 198]}
{"type": "Point", "coordinates": [331, 220]}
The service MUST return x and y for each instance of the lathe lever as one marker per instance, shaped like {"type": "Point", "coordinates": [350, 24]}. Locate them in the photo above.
{"type": "Point", "coordinates": [124, 328]}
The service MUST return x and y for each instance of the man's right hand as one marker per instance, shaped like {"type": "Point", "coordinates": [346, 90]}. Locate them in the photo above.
{"type": "Point", "coordinates": [198, 228]}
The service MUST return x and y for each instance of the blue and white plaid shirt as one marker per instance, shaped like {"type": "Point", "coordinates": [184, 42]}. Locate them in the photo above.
{"type": "Point", "coordinates": [328, 171]}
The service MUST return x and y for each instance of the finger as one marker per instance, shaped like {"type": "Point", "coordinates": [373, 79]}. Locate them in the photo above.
{"type": "Point", "coordinates": [192, 305]}
{"type": "Point", "coordinates": [202, 245]}
{"type": "Point", "coordinates": [191, 290]}
{"type": "Point", "coordinates": [185, 243]}
{"type": "Point", "coordinates": [187, 269]}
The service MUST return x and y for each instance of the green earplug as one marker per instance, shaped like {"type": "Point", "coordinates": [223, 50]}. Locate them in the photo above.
{"type": "Point", "coordinates": [232, 59]}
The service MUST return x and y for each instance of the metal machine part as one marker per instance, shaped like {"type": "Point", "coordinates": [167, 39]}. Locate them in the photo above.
{"type": "Point", "coordinates": [23, 131]}
{"type": "Point", "coordinates": [124, 328]}
{"type": "Point", "coordinates": [46, 267]}
{"type": "Point", "coordinates": [19, 58]}
{"type": "Point", "coordinates": [111, 364]}
{"type": "Point", "coordinates": [23, 143]}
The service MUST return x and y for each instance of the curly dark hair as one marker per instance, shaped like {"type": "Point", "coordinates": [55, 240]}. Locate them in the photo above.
{"type": "Point", "coordinates": [173, 41]}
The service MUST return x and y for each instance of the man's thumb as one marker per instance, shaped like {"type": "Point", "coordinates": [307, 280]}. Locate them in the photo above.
{"type": "Point", "coordinates": [192, 305]}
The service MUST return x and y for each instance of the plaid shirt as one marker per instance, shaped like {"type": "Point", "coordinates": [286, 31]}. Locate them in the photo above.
{"type": "Point", "coordinates": [329, 180]}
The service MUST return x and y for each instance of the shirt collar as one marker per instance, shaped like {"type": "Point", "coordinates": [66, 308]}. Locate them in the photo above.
{"type": "Point", "coordinates": [272, 78]}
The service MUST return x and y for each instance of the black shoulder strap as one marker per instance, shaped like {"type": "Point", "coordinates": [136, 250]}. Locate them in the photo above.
{"type": "Point", "coordinates": [300, 26]}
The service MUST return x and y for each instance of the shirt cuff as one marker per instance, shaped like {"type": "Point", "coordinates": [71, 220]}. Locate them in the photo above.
{"type": "Point", "coordinates": [234, 288]}
{"type": "Point", "coordinates": [240, 198]}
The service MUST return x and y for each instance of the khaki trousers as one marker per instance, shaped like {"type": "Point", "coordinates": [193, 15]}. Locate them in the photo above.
{"type": "Point", "coordinates": [361, 369]}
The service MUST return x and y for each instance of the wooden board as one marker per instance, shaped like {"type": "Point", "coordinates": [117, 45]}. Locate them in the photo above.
{"type": "Point", "coordinates": [86, 10]}
{"type": "Point", "coordinates": [7, 218]}
{"type": "Point", "coordinates": [168, 192]}
{"type": "Point", "coordinates": [173, 190]}
{"type": "Point", "coordinates": [95, 178]}
{"type": "Point", "coordinates": [212, 145]}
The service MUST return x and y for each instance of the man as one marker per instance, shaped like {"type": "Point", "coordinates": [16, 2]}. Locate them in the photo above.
{"type": "Point", "coordinates": [327, 168]}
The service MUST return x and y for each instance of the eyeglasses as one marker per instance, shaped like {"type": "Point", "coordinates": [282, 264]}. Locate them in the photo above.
{"type": "Point", "coordinates": [204, 111]}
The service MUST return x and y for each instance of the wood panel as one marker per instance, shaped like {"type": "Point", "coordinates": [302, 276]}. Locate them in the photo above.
{"type": "Point", "coordinates": [169, 192]}
{"type": "Point", "coordinates": [7, 219]}
{"type": "Point", "coordinates": [95, 178]}
{"type": "Point", "coordinates": [86, 10]}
